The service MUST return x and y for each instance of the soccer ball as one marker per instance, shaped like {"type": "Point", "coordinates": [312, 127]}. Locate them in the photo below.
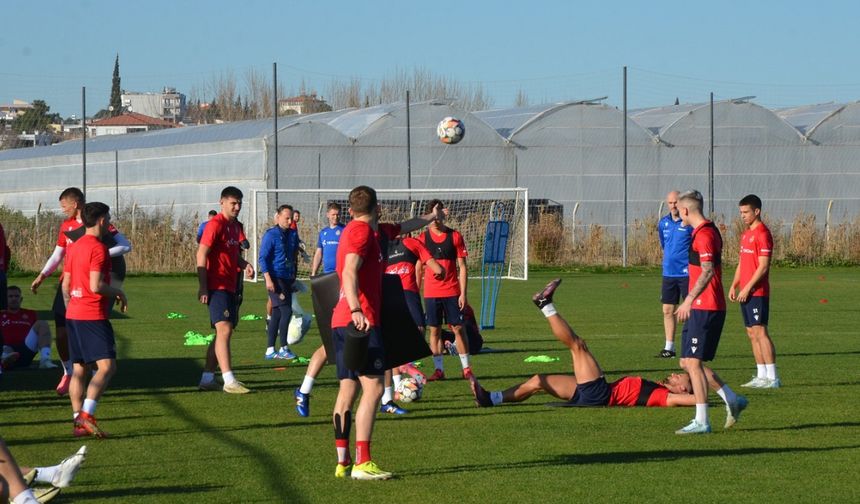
{"type": "Point", "coordinates": [299, 326]}
{"type": "Point", "coordinates": [451, 130]}
{"type": "Point", "coordinates": [409, 390]}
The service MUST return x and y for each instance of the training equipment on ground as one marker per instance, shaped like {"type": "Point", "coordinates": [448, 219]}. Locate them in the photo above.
{"type": "Point", "coordinates": [410, 390]}
{"type": "Point", "coordinates": [450, 130]}
{"type": "Point", "coordinates": [299, 326]}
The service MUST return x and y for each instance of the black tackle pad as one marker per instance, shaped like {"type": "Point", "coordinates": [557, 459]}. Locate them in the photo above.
{"type": "Point", "coordinates": [403, 341]}
{"type": "Point", "coordinates": [325, 291]}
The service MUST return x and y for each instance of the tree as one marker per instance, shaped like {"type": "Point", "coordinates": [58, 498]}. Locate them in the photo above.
{"type": "Point", "coordinates": [115, 91]}
{"type": "Point", "coordinates": [34, 119]}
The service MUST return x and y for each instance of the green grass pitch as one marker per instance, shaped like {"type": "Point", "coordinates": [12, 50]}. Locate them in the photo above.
{"type": "Point", "coordinates": [171, 443]}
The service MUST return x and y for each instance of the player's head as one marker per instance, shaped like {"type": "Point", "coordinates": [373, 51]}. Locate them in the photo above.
{"type": "Point", "coordinates": [14, 297]}
{"type": "Point", "coordinates": [71, 201]}
{"type": "Point", "coordinates": [96, 214]}
{"type": "Point", "coordinates": [212, 213]}
{"type": "Point", "coordinates": [333, 213]}
{"type": "Point", "coordinates": [750, 208]}
{"type": "Point", "coordinates": [678, 383]}
{"type": "Point", "coordinates": [433, 203]}
{"type": "Point", "coordinates": [284, 217]}
{"type": "Point", "coordinates": [672, 203]}
{"type": "Point", "coordinates": [297, 215]}
{"type": "Point", "coordinates": [690, 205]}
{"type": "Point", "coordinates": [231, 202]}
{"type": "Point", "coordinates": [362, 201]}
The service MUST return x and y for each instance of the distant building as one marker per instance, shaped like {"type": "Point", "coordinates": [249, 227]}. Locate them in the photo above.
{"type": "Point", "coordinates": [168, 105]}
{"type": "Point", "coordinates": [129, 122]}
{"type": "Point", "coordinates": [9, 111]}
{"type": "Point", "coordinates": [303, 104]}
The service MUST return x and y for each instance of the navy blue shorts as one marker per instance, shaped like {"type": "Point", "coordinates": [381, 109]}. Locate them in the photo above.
{"type": "Point", "coordinates": [447, 306]}
{"type": "Point", "coordinates": [756, 311]}
{"type": "Point", "coordinates": [674, 289]}
{"type": "Point", "coordinates": [223, 307]}
{"type": "Point", "coordinates": [90, 340]}
{"type": "Point", "coordinates": [593, 393]}
{"type": "Point", "coordinates": [413, 302]}
{"type": "Point", "coordinates": [25, 357]}
{"type": "Point", "coordinates": [59, 308]}
{"type": "Point", "coordinates": [701, 335]}
{"type": "Point", "coordinates": [375, 363]}
{"type": "Point", "coordinates": [283, 292]}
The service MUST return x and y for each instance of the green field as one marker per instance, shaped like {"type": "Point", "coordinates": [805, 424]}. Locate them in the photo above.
{"type": "Point", "coordinates": [171, 443]}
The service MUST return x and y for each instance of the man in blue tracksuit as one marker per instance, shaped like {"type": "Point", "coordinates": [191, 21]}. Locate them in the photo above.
{"type": "Point", "coordinates": [278, 265]}
{"type": "Point", "coordinates": [675, 240]}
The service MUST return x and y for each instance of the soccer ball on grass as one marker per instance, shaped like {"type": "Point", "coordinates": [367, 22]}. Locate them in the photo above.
{"type": "Point", "coordinates": [409, 390]}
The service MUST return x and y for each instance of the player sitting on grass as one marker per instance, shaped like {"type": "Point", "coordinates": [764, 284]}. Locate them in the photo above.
{"type": "Point", "coordinates": [588, 386]}
{"type": "Point", "coordinates": [24, 333]}
{"type": "Point", "coordinates": [15, 481]}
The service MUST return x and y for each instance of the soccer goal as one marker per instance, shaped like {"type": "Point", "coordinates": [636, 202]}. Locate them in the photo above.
{"type": "Point", "coordinates": [470, 211]}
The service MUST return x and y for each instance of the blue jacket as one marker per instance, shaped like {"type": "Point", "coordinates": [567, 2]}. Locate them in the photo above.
{"type": "Point", "coordinates": [675, 240]}
{"type": "Point", "coordinates": [278, 252]}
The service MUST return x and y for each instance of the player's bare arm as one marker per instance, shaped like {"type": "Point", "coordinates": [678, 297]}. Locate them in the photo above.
{"type": "Point", "coordinates": [203, 289]}
{"type": "Point", "coordinates": [99, 286]}
{"type": "Point", "coordinates": [435, 267]}
{"type": "Point", "coordinates": [248, 267]}
{"type": "Point", "coordinates": [464, 281]}
{"type": "Point", "coordinates": [315, 264]}
{"type": "Point", "coordinates": [352, 263]}
{"type": "Point", "coordinates": [683, 311]}
{"type": "Point", "coordinates": [736, 281]}
{"type": "Point", "coordinates": [760, 272]}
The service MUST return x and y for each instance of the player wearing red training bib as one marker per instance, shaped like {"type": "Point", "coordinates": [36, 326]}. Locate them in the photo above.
{"type": "Point", "coordinates": [587, 386]}
{"type": "Point", "coordinates": [218, 261]}
{"type": "Point", "coordinates": [446, 296]}
{"type": "Point", "coordinates": [751, 277]}
{"type": "Point", "coordinates": [89, 295]}
{"type": "Point", "coordinates": [704, 308]}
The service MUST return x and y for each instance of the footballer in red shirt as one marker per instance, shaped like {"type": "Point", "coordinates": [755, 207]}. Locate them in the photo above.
{"type": "Point", "coordinates": [24, 332]}
{"type": "Point", "coordinates": [587, 386]}
{"type": "Point", "coordinates": [89, 295]}
{"type": "Point", "coordinates": [751, 278]}
{"type": "Point", "coordinates": [218, 261]}
{"type": "Point", "coordinates": [446, 296]}
{"type": "Point", "coordinates": [703, 311]}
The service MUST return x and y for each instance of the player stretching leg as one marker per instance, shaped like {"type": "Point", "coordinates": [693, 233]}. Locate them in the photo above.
{"type": "Point", "coordinates": [588, 386]}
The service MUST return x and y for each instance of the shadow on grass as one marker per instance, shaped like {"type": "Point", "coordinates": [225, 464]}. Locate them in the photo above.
{"type": "Point", "coordinates": [184, 489]}
{"type": "Point", "coordinates": [805, 426]}
{"type": "Point", "coordinates": [624, 457]}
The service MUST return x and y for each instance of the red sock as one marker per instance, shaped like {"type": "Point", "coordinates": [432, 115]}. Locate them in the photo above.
{"type": "Point", "coordinates": [342, 447]}
{"type": "Point", "coordinates": [362, 452]}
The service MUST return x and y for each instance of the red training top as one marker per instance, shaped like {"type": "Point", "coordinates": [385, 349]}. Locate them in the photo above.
{"type": "Point", "coordinates": [625, 392]}
{"type": "Point", "coordinates": [223, 237]}
{"type": "Point", "coordinates": [707, 246]}
{"type": "Point", "coordinates": [88, 254]}
{"type": "Point", "coordinates": [15, 326]}
{"type": "Point", "coordinates": [450, 285]}
{"type": "Point", "coordinates": [756, 242]}
{"type": "Point", "coordinates": [406, 269]}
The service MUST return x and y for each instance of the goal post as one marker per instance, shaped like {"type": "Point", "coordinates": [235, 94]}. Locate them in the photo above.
{"type": "Point", "coordinates": [470, 212]}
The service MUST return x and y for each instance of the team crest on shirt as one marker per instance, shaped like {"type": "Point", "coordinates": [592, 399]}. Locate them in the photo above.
{"type": "Point", "coordinates": [337, 232]}
{"type": "Point", "coordinates": [377, 364]}
{"type": "Point", "coordinates": [698, 302]}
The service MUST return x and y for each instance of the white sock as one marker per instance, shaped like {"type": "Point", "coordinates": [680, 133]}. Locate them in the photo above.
{"type": "Point", "coordinates": [75, 415]}
{"type": "Point", "coordinates": [669, 346]}
{"type": "Point", "coordinates": [270, 350]}
{"type": "Point", "coordinates": [761, 371]}
{"type": "Point", "coordinates": [284, 349]}
{"type": "Point", "coordinates": [386, 395]}
{"type": "Point", "coordinates": [228, 377]}
{"type": "Point", "coordinates": [496, 397]}
{"type": "Point", "coordinates": [548, 310]}
{"type": "Point", "coordinates": [45, 352]}
{"type": "Point", "coordinates": [702, 413]}
{"type": "Point", "coordinates": [207, 377]}
{"type": "Point", "coordinates": [67, 367]}
{"type": "Point", "coordinates": [727, 394]}
{"type": "Point", "coordinates": [25, 497]}
{"type": "Point", "coordinates": [307, 385]}
{"type": "Point", "coordinates": [396, 379]}
{"type": "Point", "coordinates": [89, 407]}
{"type": "Point", "coordinates": [464, 360]}
{"type": "Point", "coordinates": [770, 371]}
{"type": "Point", "coordinates": [437, 362]}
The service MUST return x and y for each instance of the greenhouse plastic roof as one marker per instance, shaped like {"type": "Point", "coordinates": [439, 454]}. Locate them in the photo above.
{"type": "Point", "coordinates": [507, 121]}
{"type": "Point", "coordinates": [805, 118]}
{"type": "Point", "coordinates": [658, 119]}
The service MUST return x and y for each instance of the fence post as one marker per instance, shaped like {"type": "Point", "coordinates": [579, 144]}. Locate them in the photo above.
{"type": "Point", "coordinates": [38, 215]}
{"type": "Point", "coordinates": [573, 224]}
{"type": "Point", "coordinates": [827, 223]}
{"type": "Point", "coordinates": [133, 218]}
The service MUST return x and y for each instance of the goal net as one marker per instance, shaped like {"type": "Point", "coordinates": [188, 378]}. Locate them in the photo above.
{"type": "Point", "coordinates": [470, 211]}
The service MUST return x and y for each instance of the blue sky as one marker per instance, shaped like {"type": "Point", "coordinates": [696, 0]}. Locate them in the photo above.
{"type": "Point", "coordinates": [785, 53]}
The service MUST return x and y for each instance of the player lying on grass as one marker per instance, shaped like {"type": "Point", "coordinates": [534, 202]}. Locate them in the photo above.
{"type": "Point", "coordinates": [15, 481]}
{"type": "Point", "coordinates": [588, 386]}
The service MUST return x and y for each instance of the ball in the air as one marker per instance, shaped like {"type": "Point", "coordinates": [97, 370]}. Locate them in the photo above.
{"type": "Point", "coordinates": [450, 130]}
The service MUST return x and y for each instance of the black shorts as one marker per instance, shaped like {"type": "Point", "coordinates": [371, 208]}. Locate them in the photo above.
{"type": "Point", "coordinates": [413, 302]}
{"type": "Point", "coordinates": [90, 341]}
{"type": "Point", "coordinates": [447, 306]}
{"type": "Point", "coordinates": [59, 308]}
{"type": "Point", "coordinates": [223, 307]}
{"type": "Point", "coordinates": [283, 292]}
{"type": "Point", "coordinates": [674, 289]}
{"type": "Point", "coordinates": [25, 356]}
{"type": "Point", "coordinates": [375, 362]}
{"type": "Point", "coordinates": [593, 393]}
{"type": "Point", "coordinates": [701, 335]}
{"type": "Point", "coordinates": [756, 311]}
